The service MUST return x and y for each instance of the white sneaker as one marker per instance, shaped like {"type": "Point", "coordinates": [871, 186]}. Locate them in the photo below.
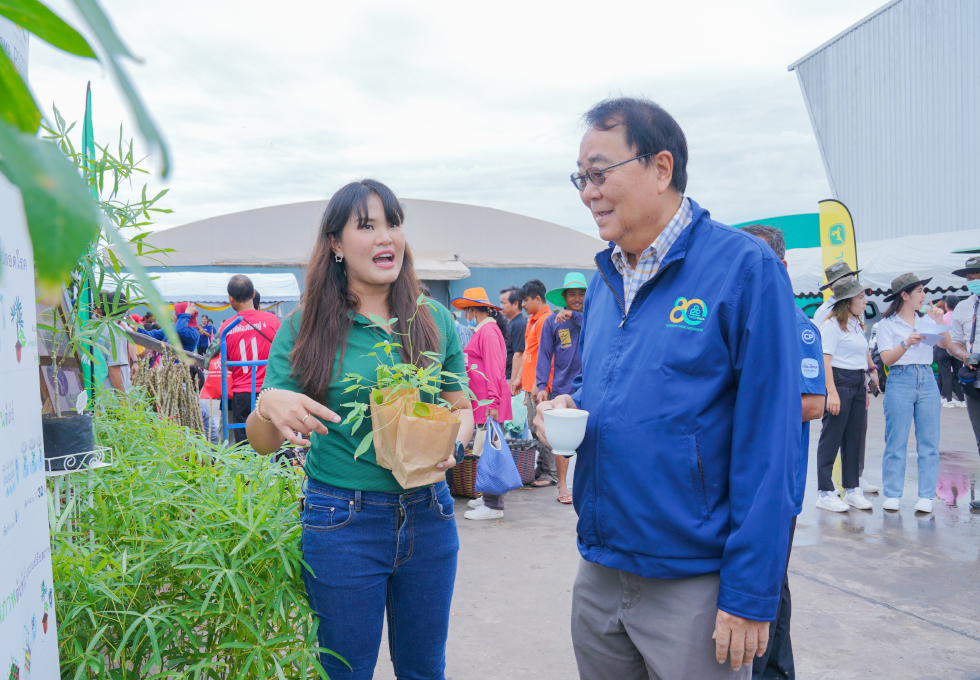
{"type": "Point", "coordinates": [828, 500]}
{"type": "Point", "coordinates": [856, 499]}
{"type": "Point", "coordinates": [924, 505]}
{"type": "Point", "coordinates": [948, 404]}
{"type": "Point", "coordinates": [959, 404]}
{"type": "Point", "coordinates": [483, 512]}
{"type": "Point", "coordinates": [891, 503]}
{"type": "Point", "coordinates": [867, 487]}
{"type": "Point", "coordinates": [476, 502]}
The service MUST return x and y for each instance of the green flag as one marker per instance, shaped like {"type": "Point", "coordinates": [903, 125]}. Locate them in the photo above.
{"type": "Point", "coordinates": [94, 375]}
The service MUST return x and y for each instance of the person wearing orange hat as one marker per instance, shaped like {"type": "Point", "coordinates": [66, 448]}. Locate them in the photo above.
{"type": "Point", "coordinates": [486, 367]}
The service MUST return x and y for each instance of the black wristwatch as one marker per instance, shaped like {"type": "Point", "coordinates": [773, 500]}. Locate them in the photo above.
{"type": "Point", "coordinates": [459, 451]}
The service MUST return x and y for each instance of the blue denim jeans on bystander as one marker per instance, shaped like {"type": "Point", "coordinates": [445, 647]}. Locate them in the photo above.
{"type": "Point", "coordinates": [912, 394]}
{"type": "Point", "coordinates": [372, 551]}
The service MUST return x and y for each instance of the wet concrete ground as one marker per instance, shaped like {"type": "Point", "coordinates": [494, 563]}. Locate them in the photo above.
{"type": "Point", "coordinates": [875, 594]}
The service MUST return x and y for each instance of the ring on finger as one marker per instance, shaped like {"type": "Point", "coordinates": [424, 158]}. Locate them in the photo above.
{"type": "Point", "coordinates": [304, 419]}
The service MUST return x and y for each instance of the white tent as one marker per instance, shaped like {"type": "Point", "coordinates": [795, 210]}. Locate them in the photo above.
{"type": "Point", "coordinates": [927, 255]}
{"type": "Point", "coordinates": [446, 239]}
{"type": "Point", "coordinates": [212, 287]}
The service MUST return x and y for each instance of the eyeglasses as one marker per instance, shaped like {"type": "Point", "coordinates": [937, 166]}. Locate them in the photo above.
{"type": "Point", "coordinates": [597, 175]}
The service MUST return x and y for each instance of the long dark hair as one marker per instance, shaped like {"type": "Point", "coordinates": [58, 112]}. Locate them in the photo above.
{"type": "Point", "coordinates": [329, 305]}
{"type": "Point", "coordinates": [496, 316]}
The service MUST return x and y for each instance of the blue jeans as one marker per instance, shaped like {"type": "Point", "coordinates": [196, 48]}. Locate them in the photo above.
{"type": "Point", "coordinates": [912, 394]}
{"type": "Point", "coordinates": [212, 426]}
{"type": "Point", "coordinates": [372, 551]}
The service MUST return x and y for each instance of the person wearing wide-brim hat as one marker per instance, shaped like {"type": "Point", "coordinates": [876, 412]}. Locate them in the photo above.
{"type": "Point", "coordinates": [573, 281]}
{"type": "Point", "coordinates": [486, 366]}
{"type": "Point", "coordinates": [912, 394]}
{"type": "Point", "coordinates": [962, 335]}
{"type": "Point", "coordinates": [832, 273]}
{"type": "Point", "coordinates": [837, 270]}
{"type": "Point", "coordinates": [558, 353]}
{"type": "Point", "coordinates": [846, 360]}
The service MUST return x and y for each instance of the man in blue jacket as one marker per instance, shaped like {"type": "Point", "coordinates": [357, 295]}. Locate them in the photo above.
{"type": "Point", "coordinates": [690, 374]}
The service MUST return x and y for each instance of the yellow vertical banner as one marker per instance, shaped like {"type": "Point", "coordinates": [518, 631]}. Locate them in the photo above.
{"type": "Point", "coordinates": [837, 243]}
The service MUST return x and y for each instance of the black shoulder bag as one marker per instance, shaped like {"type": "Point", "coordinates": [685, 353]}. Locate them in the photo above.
{"type": "Point", "coordinates": [968, 374]}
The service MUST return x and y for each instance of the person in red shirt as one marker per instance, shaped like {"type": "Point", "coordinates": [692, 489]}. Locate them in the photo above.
{"type": "Point", "coordinates": [250, 340]}
{"type": "Point", "coordinates": [532, 295]}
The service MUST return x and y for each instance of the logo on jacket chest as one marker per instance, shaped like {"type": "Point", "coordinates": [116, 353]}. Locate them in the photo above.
{"type": "Point", "coordinates": [688, 314]}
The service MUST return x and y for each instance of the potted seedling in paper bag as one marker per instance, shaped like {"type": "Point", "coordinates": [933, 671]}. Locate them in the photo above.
{"type": "Point", "coordinates": [412, 427]}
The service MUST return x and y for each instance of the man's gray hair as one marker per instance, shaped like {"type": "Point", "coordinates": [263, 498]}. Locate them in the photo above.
{"type": "Point", "coordinates": [771, 235]}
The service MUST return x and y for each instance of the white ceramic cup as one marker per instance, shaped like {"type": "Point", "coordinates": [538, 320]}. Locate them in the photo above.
{"type": "Point", "coordinates": [565, 429]}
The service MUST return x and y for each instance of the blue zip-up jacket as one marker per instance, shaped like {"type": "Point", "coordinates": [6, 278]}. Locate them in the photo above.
{"type": "Point", "coordinates": [689, 457]}
{"type": "Point", "coordinates": [189, 336]}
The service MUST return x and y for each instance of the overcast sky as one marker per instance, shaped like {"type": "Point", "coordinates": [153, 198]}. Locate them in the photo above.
{"type": "Point", "coordinates": [265, 103]}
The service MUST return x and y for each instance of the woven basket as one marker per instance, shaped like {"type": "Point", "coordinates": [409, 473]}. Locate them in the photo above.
{"type": "Point", "coordinates": [524, 451]}
{"type": "Point", "coordinates": [462, 477]}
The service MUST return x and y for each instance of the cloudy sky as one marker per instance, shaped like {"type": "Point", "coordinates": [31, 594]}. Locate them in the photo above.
{"type": "Point", "coordinates": [265, 103]}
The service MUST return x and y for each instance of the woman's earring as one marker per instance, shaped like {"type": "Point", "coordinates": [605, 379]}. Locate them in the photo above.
{"type": "Point", "coordinates": [338, 258]}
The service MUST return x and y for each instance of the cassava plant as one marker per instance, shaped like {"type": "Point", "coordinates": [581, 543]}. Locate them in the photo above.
{"type": "Point", "coordinates": [394, 374]}
{"type": "Point", "coordinates": [171, 387]}
{"type": "Point", "coordinates": [184, 562]}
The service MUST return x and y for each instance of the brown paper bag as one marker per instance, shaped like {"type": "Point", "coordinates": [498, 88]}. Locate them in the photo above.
{"type": "Point", "coordinates": [384, 421]}
{"type": "Point", "coordinates": [421, 443]}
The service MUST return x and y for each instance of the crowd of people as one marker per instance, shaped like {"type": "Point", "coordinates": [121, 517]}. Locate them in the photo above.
{"type": "Point", "coordinates": [249, 341]}
{"type": "Point", "coordinates": [516, 362]}
{"type": "Point", "coordinates": [700, 376]}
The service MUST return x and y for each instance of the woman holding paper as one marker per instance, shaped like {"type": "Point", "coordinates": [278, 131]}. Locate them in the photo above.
{"type": "Point", "coordinates": [486, 366]}
{"type": "Point", "coordinates": [906, 337]}
{"type": "Point", "coordinates": [371, 545]}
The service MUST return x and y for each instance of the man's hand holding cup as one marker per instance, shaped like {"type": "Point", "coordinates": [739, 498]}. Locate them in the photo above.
{"type": "Point", "coordinates": [561, 401]}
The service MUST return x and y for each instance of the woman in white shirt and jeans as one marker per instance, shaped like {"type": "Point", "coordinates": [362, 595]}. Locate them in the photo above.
{"type": "Point", "coordinates": [912, 392]}
{"type": "Point", "coordinates": [846, 361]}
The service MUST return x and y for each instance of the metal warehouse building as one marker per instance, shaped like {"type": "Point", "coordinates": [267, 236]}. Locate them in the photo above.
{"type": "Point", "coordinates": [894, 103]}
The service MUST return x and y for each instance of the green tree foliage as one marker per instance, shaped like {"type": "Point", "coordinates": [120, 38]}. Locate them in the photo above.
{"type": "Point", "coordinates": [61, 217]}
{"type": "Point", "coordinates": [187, 562]}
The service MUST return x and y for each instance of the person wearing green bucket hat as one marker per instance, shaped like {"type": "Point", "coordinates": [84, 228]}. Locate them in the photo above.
{"type": "Point", "coordinates": [558, 353]}
{"type": "Point", "coordinates": [573, 281]}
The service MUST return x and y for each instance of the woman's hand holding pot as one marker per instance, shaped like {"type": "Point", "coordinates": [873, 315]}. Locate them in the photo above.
{"type": "Point", "coordinates": [295, 415]}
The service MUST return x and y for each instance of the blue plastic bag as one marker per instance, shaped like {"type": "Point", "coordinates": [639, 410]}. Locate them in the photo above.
{"type": "Point", "coordinates": [496, 473]}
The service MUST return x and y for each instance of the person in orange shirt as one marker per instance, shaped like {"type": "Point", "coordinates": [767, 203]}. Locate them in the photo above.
{"type": "Point", "coordinates": [532, 295]}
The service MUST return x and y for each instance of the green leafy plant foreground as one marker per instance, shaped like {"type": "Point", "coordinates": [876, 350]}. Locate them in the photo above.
{"type": "Point", "coordinates": [186, 564]}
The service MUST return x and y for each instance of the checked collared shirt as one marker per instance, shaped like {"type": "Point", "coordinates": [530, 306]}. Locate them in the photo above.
{"type": "Point", "coordinates": [649, 260]}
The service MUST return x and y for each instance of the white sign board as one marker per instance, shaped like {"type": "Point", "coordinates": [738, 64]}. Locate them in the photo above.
{"type": "Point", "coordinates": [13, 41]}
{"type": "Point", "coordinates": [28, 630]}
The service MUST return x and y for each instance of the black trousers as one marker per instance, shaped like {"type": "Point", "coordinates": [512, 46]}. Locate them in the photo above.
{"type": "Point", "coordinates": [777, 662]}
{"type": "Point", "coordinates": [239, 406]}
{"type": "Point", "coordinates": [949, 366]}
{"type": "Point", "coordinates": [843, 432]}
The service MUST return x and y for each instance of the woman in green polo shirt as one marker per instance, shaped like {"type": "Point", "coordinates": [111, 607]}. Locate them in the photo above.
{"type": "Point", "coordinates": [371, 545]}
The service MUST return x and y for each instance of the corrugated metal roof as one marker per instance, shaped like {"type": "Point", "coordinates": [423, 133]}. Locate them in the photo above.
{"type": "Point", "coordinates": [893, 103]}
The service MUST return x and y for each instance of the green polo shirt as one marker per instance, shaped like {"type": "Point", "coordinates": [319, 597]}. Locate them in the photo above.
{"type": "Point", "coordinates": [331, 457]}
